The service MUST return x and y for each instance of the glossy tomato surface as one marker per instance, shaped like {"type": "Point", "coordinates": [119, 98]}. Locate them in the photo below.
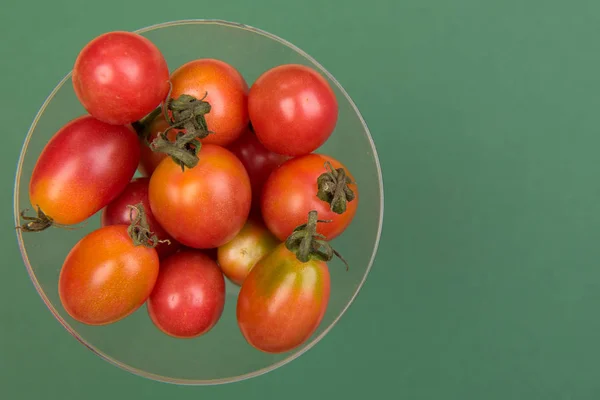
{"type": "Point", "coordinates": [119, 77]}
{"type": "Point", "coordinates": [105, 277]}
{"type": "Point", "coordinates": [189, 295]}
{"type": "Point", "coordinates": [258, 161]}
{"type": "Point", "coordinates": [118, 212]}
{"type": "Point", "coordinates": [225, 90]}
{"type": "Point", "coordinates": [85, 166]}
{"type": "Point", "coordinates": [293, 109]}
{"type": "Point", "coordinates": [237, 257]}
{"type": "Point", "coordinates": [291, 192]}
{"type": "Point", "coordinates": [282, 301]}
{"type": "Point", "coordinates": [204, 206]}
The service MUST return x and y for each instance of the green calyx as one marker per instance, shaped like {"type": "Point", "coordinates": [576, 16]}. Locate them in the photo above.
{"type": "Point", "coordinates": [333, 188]}
{"type": "Point", "coordinates": [139, 230]}
{"type": "Point", "coordinates": [307, 244]}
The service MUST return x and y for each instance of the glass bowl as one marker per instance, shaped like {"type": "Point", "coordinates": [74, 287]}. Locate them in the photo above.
{"type": "Point", "coordinates": [222, 355]}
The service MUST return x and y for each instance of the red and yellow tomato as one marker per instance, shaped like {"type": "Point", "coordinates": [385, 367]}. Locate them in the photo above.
{"type": "Point", "coordinates": [85, 166]}
{"type": "Point", "coordinates": [105, 277]}
{"type": "Point", "coordinates": [282, 301]}
{"type": "Point", "coordinates": [204, 206]}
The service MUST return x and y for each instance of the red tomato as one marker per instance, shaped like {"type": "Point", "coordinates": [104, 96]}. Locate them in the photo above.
{"type": "Point", "coordinates": [105, 277]}
{"type": "Point", "coordinates": [119, 77]}
{"type": "Point", "coordinates": [258, 161]}
{"type": "Point", "coordinates": [189, 295]}
{"type": "Point", "coordinates": [118, 212]}
{"type": "Point", "coordinates": [227, 94]}
{"type": "Point", "coordinates": [85, 166]}
{"type": "Point", "coordinates": [204, 206]}
{"type": "Point", "coordinates": [293, 109]}
{"type": "Point", "coordinates": [291, 192]}
{"type": "Point", "coordinates": [282, 301]}
{"type": "Point", "coordinates": [237, 257]}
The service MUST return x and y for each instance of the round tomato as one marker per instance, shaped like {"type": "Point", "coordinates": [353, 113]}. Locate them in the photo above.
{"type": "Point", "coordinates": [204, 206]}
{"type": "Point", "coordinates": [85, 166]}
{"type": "Point", "coordinates": [292, 190]}
{"type": "Point", "coordinates": [282, 301]}
{"type": "Point", "coordinates": [258, 161]}
{"type": "Point", "coordinates": [226, 91]}
{"type": "Point", "coordinates": [119, 77]}
{"type": "Point", "coordinates": [237, 257]}
{"type": "Point", "coordinates": [293, 109]}
{"type": "Point", "coordinates": [105, 277]}
{"type": "Point", "coordinates": [189, 295]}
{"type": "Point", "coordinates": [118, 212]}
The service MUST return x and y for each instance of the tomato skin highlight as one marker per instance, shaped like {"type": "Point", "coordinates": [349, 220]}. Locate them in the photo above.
{"type": "Point", "coordinates": [189, 295]}
{"type": "Point", "coordinates": [238, 256]}
{"type": "Point", "coordinates": [282, 301]}
{"type": "Point", "coordinates": [225, 90]}
{"type": "Point", "coordinates": [291, 192]}
{"type": "Point", "coordinates": [119, 77]}
{"type": "Point", "coordinates": [205, 206]}
{"type": "Point", "coordinates": [293, 109]}
{"type": "Point", "coordinates": [83, 167]}
{"type": "Point", "coordinates": [105, 277]}
{"type": "Point", "coordinates": [258, 161]}
{"type": "Point", "coordinates": [117, 213]}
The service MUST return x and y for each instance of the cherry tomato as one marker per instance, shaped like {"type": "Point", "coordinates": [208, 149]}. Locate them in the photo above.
{"type": "Point", "coordinates": [282, 301]}
{"type": "Point", "coordinates": [291, 192]}
{"type": "Point", "coordinates": [293, 109]}
{"type": "Point", "coordinates": [105, 277]}
{"type": "Point", "coordinates": [118, 212]}
{"type": "Point", "coordinates": [119, 77]}
{"type": "Point", "coordinates": [204, 206]}
{"type": "Point", "coordinates": [189, 295]}
{"type": "Point", "coordinates": [85, 166]}
{"type": "Point", "coordinates": [258, 161]}
{"type": "Point", "coordinates": [225, 90]}
{"type": "Point", "coordinates": [237, 257]}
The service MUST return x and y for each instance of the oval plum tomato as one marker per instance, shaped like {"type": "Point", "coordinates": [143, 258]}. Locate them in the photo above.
{"type": "Point", "coordinates": [85, 166]}
{"type": "Point", "coordinates": [284, 297]}
{"type": "Point", "coordinates": [106, 277]}
{"type": "Point", "coordinates": [226, 91]}
{"type": "Point", "coordinates": [293, 109]}
{"type": "Point", "coordinates": [293, 190]}
{"type": "Point", "coordinates": [237, 257]}
{"type": "Point", "coordinates": [204, 206]}
{"type": "Point", "coordinates": [119, 77]}
{"type": "Point", "coordinates": [118, 212]}
{"type": "Point", "coordinates": [189, 295]}
{"type": "Point", "coordinates": [258, 161]}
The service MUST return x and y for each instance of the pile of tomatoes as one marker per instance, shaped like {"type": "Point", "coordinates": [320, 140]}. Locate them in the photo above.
{"type": "Point", "coordinates": [228, 186]}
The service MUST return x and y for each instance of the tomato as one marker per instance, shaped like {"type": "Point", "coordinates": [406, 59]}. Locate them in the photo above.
{"type": "Point", "coordinates": [282, 301]}
{"type": "Point", "coordinates": [83, 167]}
{"type": "Point", "coordinates": [293, 109]}
{"type": "Point", "coordinates": [105, 277]}
{"type": "Point", "coordinates": [291, 192]}
{"type": "Point", "coordinates": [119, 77]}
{"type": "Point", "coordinates": [258, 161]}
{"type": "Point", "coordinates": [226, 91]}
{"type": "Point", "coordinates": [189, 295]}
{"type": "Point", "coordinates": [118, 212]}
{"type": "Point", "coordinates": [204, 206]}
{"type": "Point", "coordinates": [237, 257]}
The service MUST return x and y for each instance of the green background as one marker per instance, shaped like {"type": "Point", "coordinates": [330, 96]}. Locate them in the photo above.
{"type": "Point", "coordinates": [485, 115]}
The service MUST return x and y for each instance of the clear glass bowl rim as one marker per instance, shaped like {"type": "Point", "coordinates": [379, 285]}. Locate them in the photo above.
{"type": "Point", "coordinates": [157, 377]}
